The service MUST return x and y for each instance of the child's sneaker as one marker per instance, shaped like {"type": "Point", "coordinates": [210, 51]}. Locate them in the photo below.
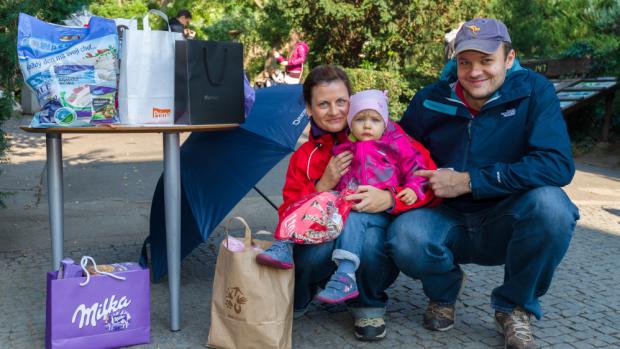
{"type": "Point", "coordinates": [341, 287]}
{"type": "Point", "coordinates": [278, 255]}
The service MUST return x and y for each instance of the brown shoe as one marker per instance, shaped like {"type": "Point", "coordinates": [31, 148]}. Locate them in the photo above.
{"type": "Point", "coordinates": [439, 317]}
{"type": "Point", "coordinates": [516, 329]}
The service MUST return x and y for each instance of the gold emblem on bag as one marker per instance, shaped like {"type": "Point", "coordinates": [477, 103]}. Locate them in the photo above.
{"type": "Point", "coordinates": [235, 299]}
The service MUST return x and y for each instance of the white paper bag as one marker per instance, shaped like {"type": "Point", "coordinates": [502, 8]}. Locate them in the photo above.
{"type": "Point", "coordinates": [146, 87]}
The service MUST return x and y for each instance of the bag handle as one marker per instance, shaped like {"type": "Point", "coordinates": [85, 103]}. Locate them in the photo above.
{"type": "Point", "coordinates": [84, 263]}
{"type": "Point", "coordinates": [247, 240]}
{"type": "Point", "coordinates": [145, 20]}
{"type": "Point", "coordinates": [206, 64]}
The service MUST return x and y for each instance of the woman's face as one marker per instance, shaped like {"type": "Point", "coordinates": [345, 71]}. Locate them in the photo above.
{"type": "Point", "coordinates": [329, 106]}
{"type": "Point", "coordinates": [293, 38]}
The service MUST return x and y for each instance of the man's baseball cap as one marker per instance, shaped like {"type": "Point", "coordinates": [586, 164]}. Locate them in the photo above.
{"type": "Point", "coordinates": [481, 34]}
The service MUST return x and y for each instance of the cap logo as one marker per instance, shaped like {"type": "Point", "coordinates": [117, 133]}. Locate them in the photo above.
{"type": "Point", "coordinates": [474, 29]}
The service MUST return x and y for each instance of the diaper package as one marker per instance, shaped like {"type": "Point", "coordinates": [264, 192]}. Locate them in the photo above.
{"type": "Point", "coordinates": [72, 70]}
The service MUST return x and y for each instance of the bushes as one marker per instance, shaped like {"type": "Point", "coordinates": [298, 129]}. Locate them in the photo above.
{"type": "Point", "coordinates": [399, 92]}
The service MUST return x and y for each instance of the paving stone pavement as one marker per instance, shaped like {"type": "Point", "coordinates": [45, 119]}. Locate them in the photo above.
{"type": "Point", "coordinates": [581, 308]}
{"type": "Point", "coordinates": [109, 220]}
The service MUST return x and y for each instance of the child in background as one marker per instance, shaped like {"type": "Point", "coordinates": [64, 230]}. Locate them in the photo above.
{"type": "Point", "coordinates": [384, 156]}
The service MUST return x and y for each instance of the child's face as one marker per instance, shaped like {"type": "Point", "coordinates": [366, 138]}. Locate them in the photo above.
{"type": "Point", "coordinates": [367, 125]}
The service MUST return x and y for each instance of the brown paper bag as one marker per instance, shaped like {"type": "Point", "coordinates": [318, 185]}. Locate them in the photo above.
{"type": "Point", "coordinates": [252, 305]}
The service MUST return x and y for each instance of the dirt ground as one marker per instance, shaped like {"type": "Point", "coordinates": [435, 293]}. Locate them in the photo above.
{"type": "Point", "coordinates": [602, 154]}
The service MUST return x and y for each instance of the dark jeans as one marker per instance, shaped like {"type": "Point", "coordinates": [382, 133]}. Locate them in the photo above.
{"type": "Point", "coordinates": [314, 266]}
{"type": "Point", "coordinates": [529, 233]}
{"type": "Point", "coordinates": [350, 243]}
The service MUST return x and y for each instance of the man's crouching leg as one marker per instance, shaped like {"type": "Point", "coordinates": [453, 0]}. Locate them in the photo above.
{"type": "Point", "coordinates": [417, 242]}
{"type": "Point", "coordinates": [542, 221]}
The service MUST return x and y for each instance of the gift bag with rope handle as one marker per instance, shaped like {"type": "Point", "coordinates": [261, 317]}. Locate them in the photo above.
{"type": "Point", "coordinates": [252, 305]}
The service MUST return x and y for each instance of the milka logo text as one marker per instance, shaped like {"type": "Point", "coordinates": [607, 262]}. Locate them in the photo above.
{"type": "Point", "coordinates": [98, 311]}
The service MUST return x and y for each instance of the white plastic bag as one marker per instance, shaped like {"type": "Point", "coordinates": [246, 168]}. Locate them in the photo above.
{"type": "Point", "coordinates": [146, 88]}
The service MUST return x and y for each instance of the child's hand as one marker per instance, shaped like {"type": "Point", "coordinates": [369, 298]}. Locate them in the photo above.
{"type": "Point", "coordinates": [407, 196]}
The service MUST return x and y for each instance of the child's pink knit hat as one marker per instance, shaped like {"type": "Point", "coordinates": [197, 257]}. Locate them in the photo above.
{"type": "Point", "coordinates": [368, 99]}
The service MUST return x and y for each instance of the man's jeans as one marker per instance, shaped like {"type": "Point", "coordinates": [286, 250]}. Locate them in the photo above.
{"type": "Point", "coordinates": [350, 243]}
{"type": "Point", "coordinates": [528, 232]}
{"type": "Point", "coordinates": [314, 266]}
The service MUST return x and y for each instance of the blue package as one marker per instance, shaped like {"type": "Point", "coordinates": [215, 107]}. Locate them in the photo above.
{"type": "Point", "coordinates": [63, 65]}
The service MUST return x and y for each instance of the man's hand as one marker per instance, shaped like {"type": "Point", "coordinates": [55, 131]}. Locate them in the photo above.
{"type": "Point", "coordinates": [371, 199]}
{"type": "Point", "coordinates": [336, 167]}
{"type": "Point", "coordinates": [407, 196]}
{"type": "Point", "coordinates": [446, 183]}
{"type": "Point", "coordinates": [284, 63]}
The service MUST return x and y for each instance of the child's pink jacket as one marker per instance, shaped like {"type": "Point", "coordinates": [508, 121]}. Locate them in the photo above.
{"type": "Point", "coordinates": [389, 163]}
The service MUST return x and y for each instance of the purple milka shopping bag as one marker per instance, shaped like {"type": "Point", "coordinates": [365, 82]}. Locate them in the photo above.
{"type": "Point", "coordinates": [105, 313]}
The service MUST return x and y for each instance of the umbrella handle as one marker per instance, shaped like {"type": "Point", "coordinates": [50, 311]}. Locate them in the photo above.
{"type": "Point", "coordinates": [247, 240]}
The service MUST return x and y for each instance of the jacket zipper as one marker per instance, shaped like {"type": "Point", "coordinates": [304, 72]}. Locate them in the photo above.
{"type": "Point", "coordinates": [466, 157]}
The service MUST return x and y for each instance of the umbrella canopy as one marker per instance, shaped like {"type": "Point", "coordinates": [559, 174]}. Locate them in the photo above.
{"type": "Point", "coordinates": [219, 168]}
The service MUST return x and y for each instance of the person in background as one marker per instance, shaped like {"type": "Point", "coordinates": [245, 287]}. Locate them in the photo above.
{"type": "Point", "coordinates": [181, 22]}
{"type": "Point", "coordinates": [294, 64]}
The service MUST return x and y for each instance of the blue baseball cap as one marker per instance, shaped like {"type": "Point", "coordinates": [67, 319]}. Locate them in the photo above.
{"type": "Point", "coordinates": [481, 34]}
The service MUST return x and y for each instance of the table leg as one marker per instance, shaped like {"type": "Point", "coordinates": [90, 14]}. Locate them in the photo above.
{"type": "Point", "coordinates": [55, 198]}
{"type": "Point", "coordinates": [172, 198]}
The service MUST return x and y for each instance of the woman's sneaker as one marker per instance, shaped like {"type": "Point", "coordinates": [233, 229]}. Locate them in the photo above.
{"type": "Point", "coordinates": [341, 287]}
{"type": "Point", "coordinates": [279, 255]}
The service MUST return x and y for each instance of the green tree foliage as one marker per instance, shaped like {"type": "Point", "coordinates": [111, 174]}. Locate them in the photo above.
{"type": "Point", "coordinates": [381, 34]}
{"type": "Point", "coordinates": [119, 8]}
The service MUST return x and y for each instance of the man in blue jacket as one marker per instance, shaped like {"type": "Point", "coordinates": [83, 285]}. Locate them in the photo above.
{"type": "Point", "coordinates": [497, 133]}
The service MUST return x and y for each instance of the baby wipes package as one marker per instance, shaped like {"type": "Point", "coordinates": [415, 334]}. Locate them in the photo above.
{"type": "Point", "coordinates": [72, 70]}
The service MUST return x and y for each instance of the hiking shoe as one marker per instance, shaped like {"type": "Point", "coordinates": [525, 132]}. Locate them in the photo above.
{"type": "Point", "coordinates": [440, 317]}
{"type": "Point", "coordinates": [516, 329]}
{"type": "Point", "coordinates": [370, 329]}
{"type": "Point", "coordinates": [341, 287]}
{"type": "Point", "coordinates": [279, 255]}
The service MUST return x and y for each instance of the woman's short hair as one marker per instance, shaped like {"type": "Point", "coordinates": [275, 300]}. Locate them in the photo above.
{"type": "Point", "coordinates": [324, 74]}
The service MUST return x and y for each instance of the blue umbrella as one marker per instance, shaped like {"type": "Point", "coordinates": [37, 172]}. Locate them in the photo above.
{"type": "Point", "coordinates": [219, 168]}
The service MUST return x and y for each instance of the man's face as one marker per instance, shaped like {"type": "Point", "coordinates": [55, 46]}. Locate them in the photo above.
{"type": "Point", "coordinates": [184, 20]}
{"type": "Point", "coordinates": [481, 74]}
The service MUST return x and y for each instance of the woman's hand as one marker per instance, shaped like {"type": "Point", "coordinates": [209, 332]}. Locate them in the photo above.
{"type": "Point", "coordinates": [336, 167]}
{"type": "Point", "coordinates": [371, 199]}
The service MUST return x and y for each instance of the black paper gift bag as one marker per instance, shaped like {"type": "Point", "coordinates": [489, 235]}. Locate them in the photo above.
{"type": "Point", "coordinates": [208, 82]}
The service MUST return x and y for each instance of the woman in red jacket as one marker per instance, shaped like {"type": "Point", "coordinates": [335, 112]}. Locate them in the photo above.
{"type": "Point", "coordinates": [312, 168]}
